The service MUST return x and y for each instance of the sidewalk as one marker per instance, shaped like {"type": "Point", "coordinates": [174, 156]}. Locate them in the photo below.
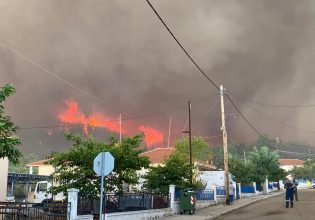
{"type": "Point", "coordinates": [221, 209]}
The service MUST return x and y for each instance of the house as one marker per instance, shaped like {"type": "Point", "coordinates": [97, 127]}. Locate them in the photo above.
{"type": "Point", "coordinates": [289, 164]}
{"type": "Point", "coordinates": [158, 155]}
{"type": "Point", "coordinates": [43, 168]}
{"type": "Point", "coordinates": [4, 164]}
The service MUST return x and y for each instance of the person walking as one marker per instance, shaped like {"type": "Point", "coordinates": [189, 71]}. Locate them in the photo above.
{"type": "Point", "coordinates": [231, 192]}
{"type": "Point", "coordinates": [289, 193]}
{"type": "Point", "coordinates": [295, 183]}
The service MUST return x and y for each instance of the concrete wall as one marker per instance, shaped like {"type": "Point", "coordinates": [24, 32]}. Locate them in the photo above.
{"type": "Point", "coordinates": [139, 215]}
{"type": "Point", "coordinates": [4, 164]}
{"type": "Point", "coordinates": [45, 170]}
{"type": "Point", "coordinates": [200, 204]}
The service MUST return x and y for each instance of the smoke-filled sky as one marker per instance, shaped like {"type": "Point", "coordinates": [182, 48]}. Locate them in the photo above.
{"type": "Point", "coordinates": [118, 52]}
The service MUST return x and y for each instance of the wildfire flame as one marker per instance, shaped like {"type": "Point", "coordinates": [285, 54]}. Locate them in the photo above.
{"type": "Point", "coordinates": [72, 115]}
{"type": "Point", "coordinates": [152, 136]}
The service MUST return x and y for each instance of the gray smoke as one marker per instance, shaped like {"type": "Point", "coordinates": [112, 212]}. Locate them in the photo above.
{"type": "Point", "coordinates": [118, 51]}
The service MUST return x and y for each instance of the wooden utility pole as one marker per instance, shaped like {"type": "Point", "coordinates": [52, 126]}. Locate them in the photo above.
{"type": "Point", "coordinates": [120, 128]}
{"type": "Point", "coordinates": [277, 150]}
{"type": "Point", "coordinates": [225, 148]}
{"type": "Point", "coordinates": [245, 157]}
{"type": "Point", "coordinates": [190, 144]}
{"type": "Point", "coordinates": [190, 148]}
{"type": "Point", "coordinates": [169, 133]}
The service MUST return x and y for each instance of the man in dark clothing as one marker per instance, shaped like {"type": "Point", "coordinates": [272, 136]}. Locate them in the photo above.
{"type": "Point", "coordinates": [295, 183]}
{"type": "Point", "coordinates": [289, 191]}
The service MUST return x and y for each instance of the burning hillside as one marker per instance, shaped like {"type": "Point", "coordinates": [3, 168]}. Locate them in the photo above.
{"type": "Point", "coordinates": [72, 115]}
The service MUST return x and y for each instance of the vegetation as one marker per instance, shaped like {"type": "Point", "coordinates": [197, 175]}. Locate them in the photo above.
{"type": "Point", "coordinates": [305, 172]}
{"type": "Point", "coordinates": [8, 138]}
{"type": "Point", "coordinates": [262, 163]}
{"type": "Point", "coordinates": [176, 170]}
{"type": "Point", "coordinates": [200, 149]}
{"type": "Point", "coordinates": [242, 172]}
{"type": "Point", "coordinates": [74, 168]}
{"type": "Point", "coordinates": [21, 167]}
{"type": "Point", "coordinates": [265, 164]}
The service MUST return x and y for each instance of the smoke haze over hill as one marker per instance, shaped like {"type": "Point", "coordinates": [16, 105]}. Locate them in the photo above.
{"type": "Point", "coordinates": [118, 51]}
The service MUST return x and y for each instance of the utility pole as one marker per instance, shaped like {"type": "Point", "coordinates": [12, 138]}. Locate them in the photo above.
{"type": "Point", "coordinates": [225, 148]}
{"type": "Point", "coordinates": [309, 154]}
{"type": "Point", "coordinates": [189, 132]}
{"type": "Point", "coordinates": [244, 157]}
{"type": "Point", "coordinates": [277, 150]}
{"type": "Point", "coordinates": [277, 144]}
{"type": "Point", "coordinates": [169, 133]}
{"type": "Point", "coordinates": [190, 147]}
{"type": "Point", "coordinates": [120, 128]}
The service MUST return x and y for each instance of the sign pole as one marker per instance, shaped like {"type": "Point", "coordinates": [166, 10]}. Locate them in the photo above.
{"type": "Point", "coordinates": [102, 188]}
{"type": "Point", "coordinates": [103, 164]}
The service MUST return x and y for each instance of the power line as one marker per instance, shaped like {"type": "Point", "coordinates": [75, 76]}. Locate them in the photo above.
{"type": "Point", "coordinates": [271, 105]}
{"type": "Point", "coordinates": [79, 89]}
{"type": "Point", "coordinates": [58, 77]}
{"type": "Point", "coordinates": [205, 115]}
{"type": "Point", "coordinates": [104, 122]}
{"type": "Point", "coordinates": [214, 136]}
{"type": "Point", "coordinates": [294, 153]}
{"type": "Point", "coordinates": [124, 119]}
{"type": "Point", "coordinates": [198, 67]}
{"type": "Point", "coordinates": [180, 45]}
{"type": "Point", "coordinates": [276, 120]}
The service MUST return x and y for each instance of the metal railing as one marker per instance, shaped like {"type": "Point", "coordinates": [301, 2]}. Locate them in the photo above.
{"type": "Point", "coordinates": [205, 194]}
{"type": "Point", "coordinates": [33, 211]}
{"type": "Point", "coordinates": [125, 202]}
{"type": "Point", "coordinates": [247, 189]}
{"type": "Point", "coordinates": [220, 191]}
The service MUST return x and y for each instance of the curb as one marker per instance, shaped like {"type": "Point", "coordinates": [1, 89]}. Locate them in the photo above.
{"type": "Point", "coordinates": [241, 206]}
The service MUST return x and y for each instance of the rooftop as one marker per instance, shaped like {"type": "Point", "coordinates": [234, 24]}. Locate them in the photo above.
{"type": "Point", "coordinates": [158, 155]}
{"type": "Point", "coordinates": [37, 163]}
{"type": "Point", "coordinates": [292, 162]}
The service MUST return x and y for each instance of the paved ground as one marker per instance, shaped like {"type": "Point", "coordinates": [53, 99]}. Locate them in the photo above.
{"type": "Point", "coordinates": [213, 211]}
{"type": "Point", "coordinates": [273, 208]}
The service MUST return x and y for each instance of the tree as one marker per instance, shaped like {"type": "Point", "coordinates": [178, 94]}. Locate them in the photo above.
{"type": "Point", "coordinates": [307, 171]}
{"type": "Point", "coordinates": [8, 138]}
{"type": "Point", "coordinates": [242, 173]}
{"type": "Point", "coordinates": [200, 149]}
{"type": "Point", "coordinates": [265, 164]}
{"type": "Point", "coordinates": [264, 141]}
{"type": "Point", "coordinates": [175, 171]}
{"type": "Point", "coordinates": [74, 168]}
{"type": "Point", "coordinates": [21, 167]}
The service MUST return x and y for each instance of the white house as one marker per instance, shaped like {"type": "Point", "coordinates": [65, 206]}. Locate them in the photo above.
{"type": "Point", "coordinates": [4, 164]}
{"type": "Point", "coordinates": [43, 168]}
{"type": "Point", "coordinates": [289, 164]}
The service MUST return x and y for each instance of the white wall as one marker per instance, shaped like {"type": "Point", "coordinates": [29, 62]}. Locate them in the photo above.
{"type": "Point", "coordinates": [136, 215]}
{"type": "Point", "coordinates": [4, 164]}
{"type": "Point", "coordinates": [288, 167]}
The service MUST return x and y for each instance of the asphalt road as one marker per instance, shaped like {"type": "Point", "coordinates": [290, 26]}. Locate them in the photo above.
{"type": "Point", "coordinates": [274, 209]}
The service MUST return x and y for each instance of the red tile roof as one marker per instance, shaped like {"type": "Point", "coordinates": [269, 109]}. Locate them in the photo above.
{"type": "Point", "coordinates": [158, 155]}
{"type": "Point", "coordinates": [37, 163]}
{"type": "Point", "coordinates": [292, 162]}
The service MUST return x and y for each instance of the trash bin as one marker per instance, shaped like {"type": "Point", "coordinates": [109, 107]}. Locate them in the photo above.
{"type": "Point", "coordinates": [187, 201]}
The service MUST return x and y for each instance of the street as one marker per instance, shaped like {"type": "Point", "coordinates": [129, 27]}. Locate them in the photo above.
{"type": "Point", "coordinates": [274, 208]}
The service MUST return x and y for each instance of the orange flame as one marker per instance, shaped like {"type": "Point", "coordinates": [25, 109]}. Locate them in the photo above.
{"type": "Point", "coordinates": [72, 115]}
{"type": "Point", "coordinates": [152, 136]}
